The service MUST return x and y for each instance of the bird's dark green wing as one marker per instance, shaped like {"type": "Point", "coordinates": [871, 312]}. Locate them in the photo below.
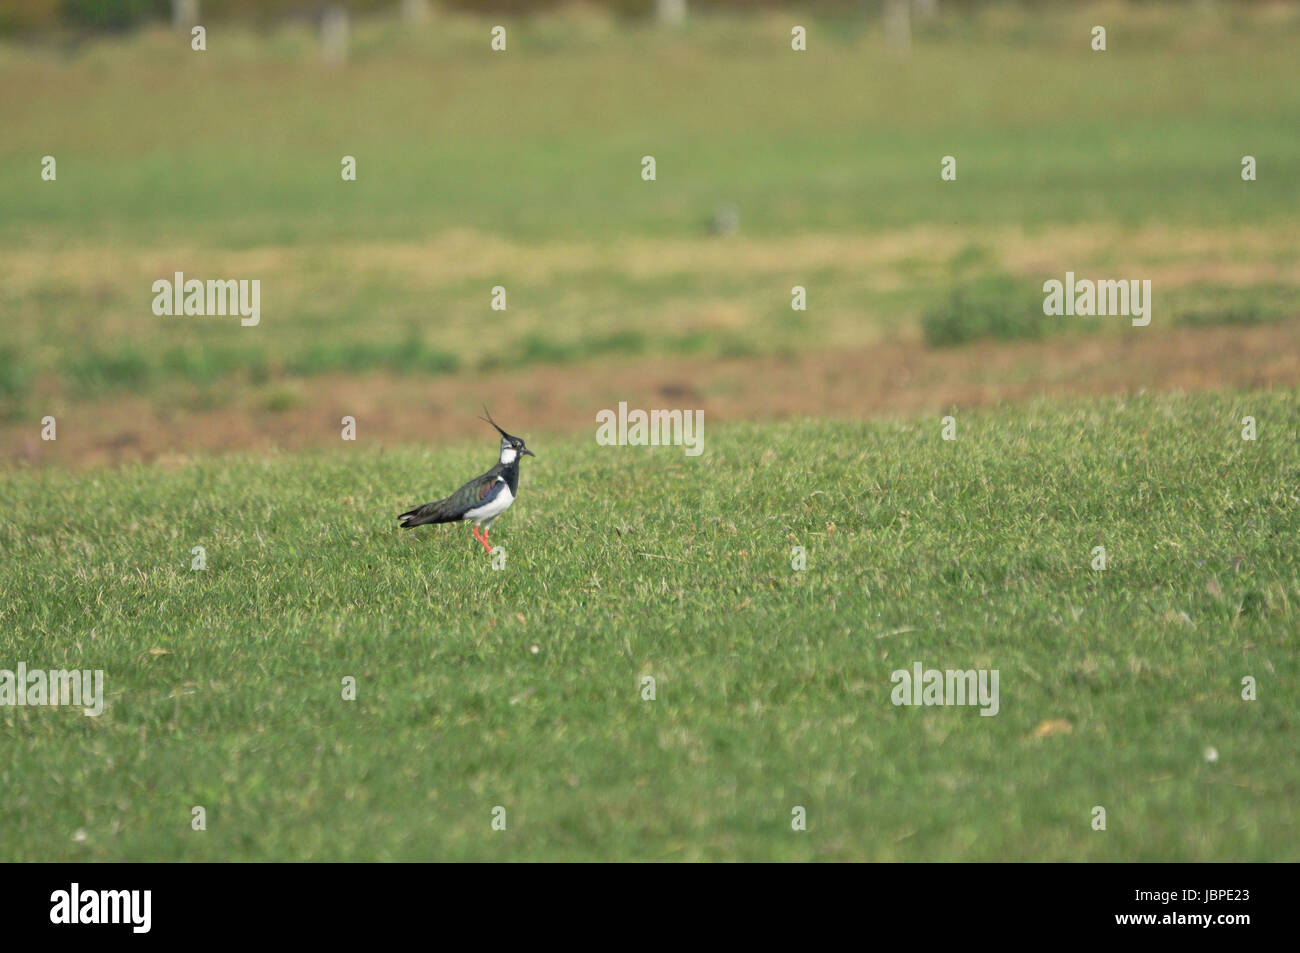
{"type": "Point", "coordinates": [474, 493]}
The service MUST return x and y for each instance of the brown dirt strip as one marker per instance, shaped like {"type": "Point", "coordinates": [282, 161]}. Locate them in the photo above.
{"type": "Point", "coordinates": [893, 378]}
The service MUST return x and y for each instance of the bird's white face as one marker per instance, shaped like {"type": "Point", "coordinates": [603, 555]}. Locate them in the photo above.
{"type": "Point", "coordinates": [511, 448]}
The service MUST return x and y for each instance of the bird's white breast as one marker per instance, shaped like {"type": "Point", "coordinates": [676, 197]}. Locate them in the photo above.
{"type": "Point", "coordinates": [494, 508]}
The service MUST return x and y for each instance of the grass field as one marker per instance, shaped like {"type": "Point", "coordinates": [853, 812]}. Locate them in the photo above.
{"type": "Point", "coordinates": [520, 687]}
{"type": "Point", "coordinates": [228, 163]}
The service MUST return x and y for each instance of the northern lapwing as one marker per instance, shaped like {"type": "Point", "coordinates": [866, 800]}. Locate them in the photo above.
{"type": "Point", "coordinates": [483, 498]}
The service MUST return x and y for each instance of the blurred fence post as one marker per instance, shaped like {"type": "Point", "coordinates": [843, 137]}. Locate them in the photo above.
{"type": "Point", "coordinates": [185, 14]}
{"type": "Point", "coordinates": [670, 12]}
{"type": "Point", "coordinates": [898, 24]}
{"type": "Point", "coordinates": [415, 11]}
{"type": "Point", "coordinates": [334, 36]}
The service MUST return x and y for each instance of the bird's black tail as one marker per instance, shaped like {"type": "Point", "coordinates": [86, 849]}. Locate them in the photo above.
{"type": "Point", "coordinates": [428, 513]}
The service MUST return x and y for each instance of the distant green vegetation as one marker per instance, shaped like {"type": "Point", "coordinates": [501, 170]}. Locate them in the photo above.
{"type": "Point", "coordinates": [1260, 303]}
{"type": "Point", "coordinates": [1000, 307]}
{"type": "Point", "coordinates": [992, 307]}
{"type": "Point", "coordinates": [522, 687]}
{"type": "Point", "coordinates": [523, 169]}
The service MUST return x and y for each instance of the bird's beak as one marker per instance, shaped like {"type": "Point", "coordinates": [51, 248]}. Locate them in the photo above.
{"type": "Point", "coordinates": [527, 451]}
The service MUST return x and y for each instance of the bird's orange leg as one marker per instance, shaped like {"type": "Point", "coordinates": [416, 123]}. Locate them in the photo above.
{"type": "Point", "coordinates": [482, 539]}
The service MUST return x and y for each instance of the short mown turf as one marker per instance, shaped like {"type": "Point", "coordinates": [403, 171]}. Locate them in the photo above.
{"type": "Point", "coordinates": [523, 687]}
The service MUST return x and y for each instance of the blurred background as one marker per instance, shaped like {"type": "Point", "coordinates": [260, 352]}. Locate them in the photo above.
{"type": "Point", "coordinates": [775, 168]}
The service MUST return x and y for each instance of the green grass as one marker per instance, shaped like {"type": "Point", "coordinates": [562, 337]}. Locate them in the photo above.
{"type": "Point", "coordinates": [1259, 303]}
{"type": "Point", "coordinates": [994, 306]}
{"type": "Point", "coordinates": [545, 140]}
{"type": "Point", "coordinates": [522, 169]}
{"type": "Point", "coordinates": [520, 687]}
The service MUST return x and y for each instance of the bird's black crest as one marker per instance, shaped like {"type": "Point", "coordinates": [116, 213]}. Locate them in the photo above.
{"type": "Point", "coordinates": [489, 419]}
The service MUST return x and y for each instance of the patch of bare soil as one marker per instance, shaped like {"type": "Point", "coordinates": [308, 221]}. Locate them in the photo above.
{"type": "Point", "coordinates": [892, 378]}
